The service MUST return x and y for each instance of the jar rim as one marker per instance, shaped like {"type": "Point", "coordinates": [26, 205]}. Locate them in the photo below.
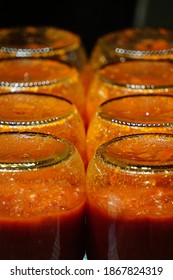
{"type": "Point", "coordinates": [43, 42]}
{"type": "Point", "coordinates": [28, 164]}
{"type": "Point", "coordinates": [71, 74]}
{"type": "Point", "coordinates": [136, 123]}
{"type": "Point", "coordinates": [133, 166]}
{"type": "Point", "coordinates": [134, 87]}
{"type": "Point", "coordinates": [147, 33]}
{"type": "Point", "coordinates": [27, 33]}
{"type": "Point", "coordinates": [30, 84]}
{"type": "Point", "coordinates": [108, 81]}
{"type": "Point", "coordinates": [40, 121]}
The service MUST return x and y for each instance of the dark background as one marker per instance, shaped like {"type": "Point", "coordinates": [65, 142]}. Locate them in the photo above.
{"type": "Point", "coordinates": [88, 18]}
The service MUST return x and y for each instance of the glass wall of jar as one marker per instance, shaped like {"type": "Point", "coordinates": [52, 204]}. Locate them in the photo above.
{"type": "Point", "coordinates": [131, 77]}
{"type": "Point", "coordinates": [42, 75]}
{"type": "Point", "coordinates": [22, 111]}
{"type": "Point", "coordinates": [129, 114]}
{"type": "Point", "coordinates": [42, 191]}
{"type": "Point", "coordinates": [43, 42]}
{"type": "Point", "coordinates": [129, 199]}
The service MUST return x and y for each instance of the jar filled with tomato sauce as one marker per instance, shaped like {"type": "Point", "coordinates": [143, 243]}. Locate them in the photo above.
{"type": "Point", "coordinates": [135, 43]}
{"type": "Point", "coordinates": [129, 114]}
{"type": "Point", "coordinates": [42, 198]}
{"type": "Point", "coordinates": [40, 112]}
{"type": "Point", "coordinates": [42, 75]}
{"type": "Point", "coordinates": [130, 77]}
{"type": "Point", "coordinates": [43, 42]}
{"type": "Point", "coordinates": [129, 208]}
{"type": "Point", "coordinates": [148, 43]}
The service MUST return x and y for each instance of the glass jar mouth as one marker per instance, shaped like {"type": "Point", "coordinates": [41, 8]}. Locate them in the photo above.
{"type": "Point", "coordinates": [19, 52]}
{"type": "Point", "coordinates": [40, 121]}
{"type": "Point", "coordinates": [126, 42]}
{"type": "Point", "coordinates": [30, 123]}
{"type": "Point", "coordinates": [143, 54]}
{"type": "Point", "coordinates": [47, 51]}
{"type": "Point", "coordinates": [26, 160]}
{"type": "Point", "coordinates": [31, 84]}
{"type": "Point", "coordinates": [134, 165]}
{"type": "Point", "coordinates": [35, 72]}
{"type": "Point", "coordinates": [38, 36]}
{"type": "Point", "coordinates": [133, 75]}
{"type": "Point", "coordinates": [134, 87]}
{"type": "Point", "coordinates": [113, 119]}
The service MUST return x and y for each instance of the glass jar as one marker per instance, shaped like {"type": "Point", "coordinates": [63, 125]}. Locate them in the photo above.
{"type": "Point", "coordinates": [43, 42]}
{"type": "Point", "coordinates": [130, 77]}
{"type": "Point", "coordinates": [42, 75]}
{"type": "Point", "coordinates": [42, 194]}
{"type": "Point", "coordinates": [38, 112]}
{"type": "Point", "coordinates": [129, 114]}
{"type": "Point", "coordinates": [136, 43]}
{"type": "Point", "coordinates": [129, 199]}
{"type": "Point", "coordinates": [140, 42]}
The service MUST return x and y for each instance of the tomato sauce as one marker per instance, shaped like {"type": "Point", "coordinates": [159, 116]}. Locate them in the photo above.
{"type": "Point", "coordinates": [129, 199]}
{"type": "Point", "coordinates": [131, 235]}
{"type": "Point", "coordinates": [42, 198]}
{"type": "Point", "coordinates": [49, 236]}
